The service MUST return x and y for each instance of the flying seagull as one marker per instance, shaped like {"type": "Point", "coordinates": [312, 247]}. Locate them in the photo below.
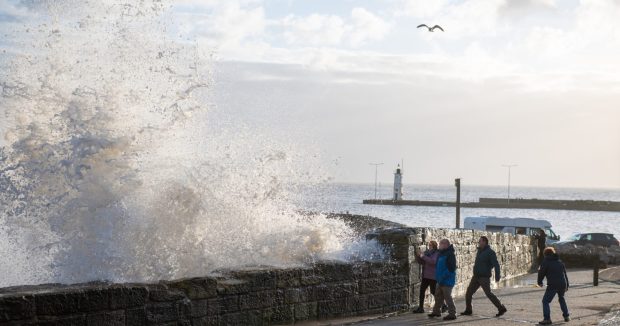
{"type": "Point", "coordinates": [431, 29]}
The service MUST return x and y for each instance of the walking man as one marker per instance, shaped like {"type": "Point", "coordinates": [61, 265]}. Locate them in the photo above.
{"type": "Point", "coordinates": [486, 260]}
{"type": "Point", "coordinates": [445, 274]}
{"type": "Point", "coordinates": [557, 283]}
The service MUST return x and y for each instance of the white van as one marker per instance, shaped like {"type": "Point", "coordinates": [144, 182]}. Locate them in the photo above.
{"type": "Point", "coordinates": [520, 225]}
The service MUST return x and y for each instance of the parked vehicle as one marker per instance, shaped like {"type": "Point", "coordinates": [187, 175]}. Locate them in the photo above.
{"type": "Point", "coordinates": [520, 225]}
{"type": "Point", "coordinates": [597, 239]}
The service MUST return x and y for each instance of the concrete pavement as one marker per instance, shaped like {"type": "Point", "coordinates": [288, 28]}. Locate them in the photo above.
{"type": "Point", "coordinates": [588, 305]}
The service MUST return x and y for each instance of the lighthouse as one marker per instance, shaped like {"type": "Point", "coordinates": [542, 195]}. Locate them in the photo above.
{"type": "Point", "coordinates": [398, 184]}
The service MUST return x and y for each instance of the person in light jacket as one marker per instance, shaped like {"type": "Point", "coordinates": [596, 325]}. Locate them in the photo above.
{"type": "Point", "coordinates": [428, 260]}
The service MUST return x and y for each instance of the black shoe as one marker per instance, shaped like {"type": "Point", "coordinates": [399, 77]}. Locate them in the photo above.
{"type": "Point", "coordinates": [466, 313]}
{"type": "Point", "coordinates": [444, 308]}
{"type": "Point", "coordinates": [567, 319]}
{"type": "Point", "coordinates": [502, 310]}
{"type": "Point", "coordinates": [433, 315]}
{"type": "Point", "coordinates": [420, 310]}
{"type": "Point", "coordinates": [545, 322]}
{"type": "Point", "coordinates": [449, 317]}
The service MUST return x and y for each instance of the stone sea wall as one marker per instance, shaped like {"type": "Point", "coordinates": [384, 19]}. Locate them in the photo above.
{"type": "Point", "coordinates": [241, 297]}
{"type": "Point", "coordinates": [516, 253]}
{"type": "Point", "coordinates": [263, 295]}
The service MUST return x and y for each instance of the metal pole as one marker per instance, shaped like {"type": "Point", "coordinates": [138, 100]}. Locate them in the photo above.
{"type": "Point", "coordinates": [457, 183]}
{"type": "Point", "coordinates": [376, 170]}
{"type": "Point", "coordinates": [596, 270]}
{"type": "Point", "coordinates": [509, 166]}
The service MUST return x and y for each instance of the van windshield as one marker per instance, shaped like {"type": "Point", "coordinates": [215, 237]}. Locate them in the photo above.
{"type": "Point", "coordinates": [550, 233]}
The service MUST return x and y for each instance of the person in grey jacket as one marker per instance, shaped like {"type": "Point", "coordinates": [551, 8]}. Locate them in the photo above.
{"type": "Point", "coordinates": [486, 260]}
{"type": "Point", "coordinates": [557, 283]}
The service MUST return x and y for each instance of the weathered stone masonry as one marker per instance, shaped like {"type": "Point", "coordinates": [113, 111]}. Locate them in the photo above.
{"type": "Point", "coordinates": [516, 253]}
{"type": "Point", "coordinates": [262, 296]}
{"type": "Point", "coordinates": [252, 297]}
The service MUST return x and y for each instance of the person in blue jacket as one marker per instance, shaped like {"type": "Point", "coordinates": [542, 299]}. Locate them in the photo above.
{"type": "Point", "coordinates": [445, 274]}
{"type": "Point", "coordinates": [557, 283]}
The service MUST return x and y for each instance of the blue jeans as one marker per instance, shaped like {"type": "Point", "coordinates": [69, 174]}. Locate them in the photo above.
{"type": "Point", "coordinates": [548, 297]}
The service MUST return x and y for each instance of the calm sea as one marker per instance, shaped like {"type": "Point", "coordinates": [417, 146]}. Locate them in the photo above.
{"type": "Point", "coordinates": [348, 198]}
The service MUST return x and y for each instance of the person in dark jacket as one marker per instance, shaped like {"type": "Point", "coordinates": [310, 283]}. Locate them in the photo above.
{"type": "Point", "coordinates": [445, 274]}
{"type": "Point", "coordinates": [486, 260]}
{"type": "Point", "coordinates": [557, 283]}
{"type": "Point", "coordinates": [541, 243]}
{"type": "Point", "coordinates": [428, 260]}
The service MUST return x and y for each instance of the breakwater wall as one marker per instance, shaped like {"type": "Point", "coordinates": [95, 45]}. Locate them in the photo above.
{"type": "Point", "coordinates": [516, 203]}
{"type": "Point", "coordinates": [264, 295]}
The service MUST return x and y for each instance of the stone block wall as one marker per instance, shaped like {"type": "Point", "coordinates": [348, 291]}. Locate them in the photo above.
{"type": "Point", "coordinates": [516, 253]}
{"type": "Point", "coordinates": [241, 297]}
{"type": "Point", "coordinates": [264, 296]}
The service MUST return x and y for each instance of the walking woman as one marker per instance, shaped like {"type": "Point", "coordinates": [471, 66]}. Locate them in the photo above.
{"type": "Point", "coordinates": [428, 260]}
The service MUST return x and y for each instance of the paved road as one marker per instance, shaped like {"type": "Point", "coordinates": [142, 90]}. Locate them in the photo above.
{"type": "Point", "coordinates": [588, 304]}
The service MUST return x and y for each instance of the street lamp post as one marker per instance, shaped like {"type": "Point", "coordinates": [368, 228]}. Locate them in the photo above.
{"type": "Point", "coordinates": [509, 166]}
{"type": "Point", "coordinates": [376, 169]}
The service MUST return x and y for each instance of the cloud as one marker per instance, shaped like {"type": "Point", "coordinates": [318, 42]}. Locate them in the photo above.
{"type": "Point", "coordinates": [367, 26]}
{"type": "Point", "coordinates": [520, 6]}
{"type": "Point", "coordinates": [332, 30]}
{"type": "Point", "coordinates": [226, 26]}
{"type": "Point", "coordinates": [315, 29]}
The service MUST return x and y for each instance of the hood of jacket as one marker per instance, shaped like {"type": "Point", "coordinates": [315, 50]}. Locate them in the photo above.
{"type": "Point", "coordinates": [446, 251]}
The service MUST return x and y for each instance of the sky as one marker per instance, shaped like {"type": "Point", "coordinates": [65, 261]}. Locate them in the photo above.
{"type": "Point", "coordinates": [534, 83]}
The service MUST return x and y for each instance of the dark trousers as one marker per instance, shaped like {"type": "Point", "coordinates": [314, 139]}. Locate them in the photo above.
{"type": "Point", "coordinates": [426, 283]}
{"type": "Point", "coordinates": [548, 297]}
{"type": "Point", "coordinates": [540, 255]}
{"type": "Point", "coordinates": [474, 284]}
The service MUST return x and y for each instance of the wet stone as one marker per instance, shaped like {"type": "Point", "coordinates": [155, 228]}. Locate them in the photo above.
{"type": "Point", "coordinates": [196, 288]}
{"type": "Point", "coordinates": [59, 303]}
{"type": "Point", "coordinates": [135, 317]}
{"type": "Point", "coordinates": [296, 295]}
{"type": "Point", "coordinates": [288, 278]}
{"type": "Point", "coordinates": [114, 318]}
{"type": "Point", "coordinates": [371, 285]}
{"type": "Point", "coordinates": [279, 315]}
{"type": "Point", "coordinates": [206, 321]}
{"type": "Point", "coordinates": [333, 308]}
{"type": "Point", "coordinates": [232, 286]}
{"type": "Point", "coordinates": [94, 300]}
{"type": "Point", "coordinates": [223, 305]}
{"type": "Point", "coordinates": [127, 297]}
{"type": "Point", "coordinates": [16, 307]}
{"type": "Point", "coordinates": [359, 303]}
{"type": "Point", "coordinates": [199, 308]}
{"type": "Point", "coordinates": [161, 312]}
{"type": "Point", "coordinates": [333, 271]}
{"type": "Point", "coordinates": [376, 300]}
{"type": "Point", "coordinates": [63, 321]}
{"type": "Point", "coordinates": [310, 277]}
{"type": "Point", "coordinates": [253, 317]}
{"type": "Point", "coordinates": [161, 293]}
{"type": "Point", "coordinates": [258, 280]}
{"type": "Point", "coordinates": [304, 311]}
